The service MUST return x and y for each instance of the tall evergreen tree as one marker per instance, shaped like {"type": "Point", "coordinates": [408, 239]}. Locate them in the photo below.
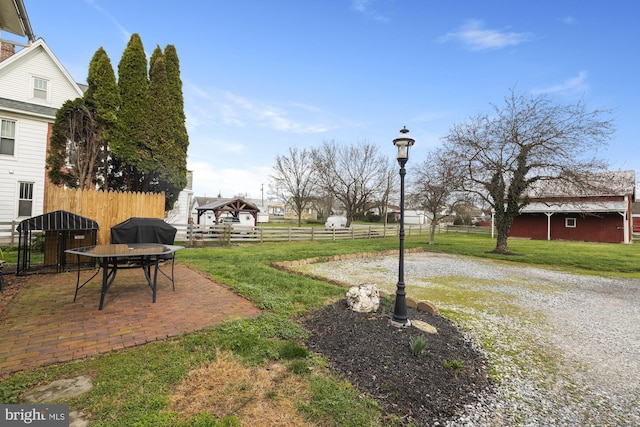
{"type": "Point", "coordinates": [103, 99]}
{"type": "Point", "coordinates": [170, 175]}
{"type": "Point", "coordinates": [133, 129]}
{"type": "Point", "coordinates": [84, 127]}
{"type": "Point", "coordinates": [177, 117]}
{"type": "Point", "coordinates": [131, 148]}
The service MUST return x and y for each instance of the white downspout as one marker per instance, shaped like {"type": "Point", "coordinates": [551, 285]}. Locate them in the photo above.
{"type": "Point", "coordinates": [625, 219]}
{"type": "Point", "coordinates": [548, 214]}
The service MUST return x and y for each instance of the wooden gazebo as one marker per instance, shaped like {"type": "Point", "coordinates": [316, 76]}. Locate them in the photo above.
{"type": "Point", "coordinates": [231, 206]}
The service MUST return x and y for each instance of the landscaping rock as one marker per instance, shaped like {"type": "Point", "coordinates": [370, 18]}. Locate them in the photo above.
{"type": "Point", "coordinates": [363, 298]}
{"type": "Point", "coordinates": [424, 326]}
{"type": "Point", "coordinates": [59, 390]}
{"type": "Point", "coordinates": [428, 306]}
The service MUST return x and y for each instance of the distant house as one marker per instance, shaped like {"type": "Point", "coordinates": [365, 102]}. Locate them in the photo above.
{"type": "Point", "coordinates": [602, 214]}
{"type": "Point", "coordinates": [275, 208]}
{"type": "Point", "coordinates": [414, 217]}
{"type": "Point", "coordinates": [181, 211]}
{"type": "Point", "coordinates": [207, 218]}
{"type": "Point", "coordinates": [33, 86]}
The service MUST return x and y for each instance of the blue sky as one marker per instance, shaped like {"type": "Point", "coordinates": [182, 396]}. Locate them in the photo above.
{"type": "Point", "coordinates": [261, 76]}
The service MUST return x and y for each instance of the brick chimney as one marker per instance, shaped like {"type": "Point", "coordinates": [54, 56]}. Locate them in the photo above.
{"type": "Point", "coordinates": [6, 51]}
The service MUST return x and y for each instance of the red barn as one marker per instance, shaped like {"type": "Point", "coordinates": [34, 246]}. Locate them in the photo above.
{"type": "Point", "coordinates": [601, 214]}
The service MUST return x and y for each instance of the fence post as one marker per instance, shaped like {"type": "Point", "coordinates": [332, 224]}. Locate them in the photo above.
{"type": "Point", "coordinates": [312, 233]}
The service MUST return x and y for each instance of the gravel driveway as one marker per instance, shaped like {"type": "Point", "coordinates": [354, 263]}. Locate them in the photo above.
{"type": "Point", "coordinates": [565, 348]}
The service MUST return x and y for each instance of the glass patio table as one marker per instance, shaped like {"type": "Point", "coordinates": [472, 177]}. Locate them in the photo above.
{"type": "Point", "coordinates": [124, 255]}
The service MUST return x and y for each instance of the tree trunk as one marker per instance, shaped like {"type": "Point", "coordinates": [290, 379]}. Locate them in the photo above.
{"type": "Point", "coordinates": [502, 229]}
{"type": "Point", "coordinates": [432, 233]}
{"type": "Point", "coordinates": [501, 244]}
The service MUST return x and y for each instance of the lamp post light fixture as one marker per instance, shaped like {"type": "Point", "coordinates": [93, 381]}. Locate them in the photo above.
{"type": "Point", "coordinates": [399, 318]}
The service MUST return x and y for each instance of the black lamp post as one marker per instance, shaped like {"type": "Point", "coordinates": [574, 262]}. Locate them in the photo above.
{"type": "Point", "coordinates": [403, 142]}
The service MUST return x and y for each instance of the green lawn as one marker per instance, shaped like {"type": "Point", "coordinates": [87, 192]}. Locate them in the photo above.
{"type": "Point", "coordinates": [132, 387]}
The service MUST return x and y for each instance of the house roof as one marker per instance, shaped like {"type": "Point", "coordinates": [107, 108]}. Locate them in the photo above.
{"type": "Point", "coordinates": [203, 200]}
{"type": "Point", "coordinates": [26, 107]}
{"type": "Point", "coordinates": [33, 47]}
{"type": "Point", "coordinates": [14, 19]}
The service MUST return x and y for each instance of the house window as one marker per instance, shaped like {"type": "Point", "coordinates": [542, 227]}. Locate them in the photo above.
{"type": "Point", "coordinates": [7, 137]}
{"type": "Point", "coordinates": [40, 88]}
{"type": "Point", "coordinates": [25, 201]}
{"type": "Point", "coordinates": [570, 222]}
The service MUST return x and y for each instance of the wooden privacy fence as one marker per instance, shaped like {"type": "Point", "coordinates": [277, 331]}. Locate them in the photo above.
{"type": "Point", "coordinates": [107, 208]}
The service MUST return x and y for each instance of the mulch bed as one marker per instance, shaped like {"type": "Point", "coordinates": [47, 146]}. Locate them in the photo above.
{"type": "Point", "coordinates": [376, 357]}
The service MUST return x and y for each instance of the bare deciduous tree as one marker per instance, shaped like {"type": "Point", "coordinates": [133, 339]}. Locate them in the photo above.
{"type": "Point", "coordinates": [437, 187]}
{"type": "Point", "coordinates": [527, 140]}
{"type": "Point", "coordinates": [75, 152]}
{"type": "Point", "coordinates": [352, 174]}
{"type": "Point", "coordinates": [292, 180]}
{"type": "Point", "coordinates": [390, 184]}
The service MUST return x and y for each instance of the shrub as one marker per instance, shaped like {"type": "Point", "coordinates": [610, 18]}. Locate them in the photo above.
{"type": "Point", "coordinates": [417, 345]}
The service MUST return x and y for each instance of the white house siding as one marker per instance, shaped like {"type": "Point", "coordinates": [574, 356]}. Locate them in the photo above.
{"type": "Point", "coordinates": [35, 61]}
{"type": "Point", "coordinates": [28, 164]}
{"type": "Point", "coordinates": [179, 215]}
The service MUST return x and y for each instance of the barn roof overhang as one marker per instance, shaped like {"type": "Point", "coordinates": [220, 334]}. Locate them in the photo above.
{"type": "Point", "coordinates": [576, 207]}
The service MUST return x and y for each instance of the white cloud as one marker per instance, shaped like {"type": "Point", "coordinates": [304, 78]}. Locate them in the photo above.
{"type": "Point", "coordinates": [215, 107]}
{"type": "Point", "coordinates": [126, 35]}
{"type": "Point", "coordinates": [577, 85]}
{"type": "Point", "coordinates": [228, 182]}
{"type": "Point", "coordinates": [475, 37]}
{"type": "Point", "coordinates": [365, 7]}
{"type": "Point", "coordinates": [265, 115]}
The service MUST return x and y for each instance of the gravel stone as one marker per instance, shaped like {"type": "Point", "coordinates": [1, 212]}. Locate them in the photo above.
{"type": "Point", "coordinates": [587, 327]}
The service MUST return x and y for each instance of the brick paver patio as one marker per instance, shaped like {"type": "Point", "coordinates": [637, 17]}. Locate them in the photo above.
{"type": "Point", "coordinates": [43, 325]}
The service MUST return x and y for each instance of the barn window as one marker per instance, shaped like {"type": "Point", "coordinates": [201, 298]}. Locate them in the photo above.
{"type": "Point", "coordinates": [570, 222]}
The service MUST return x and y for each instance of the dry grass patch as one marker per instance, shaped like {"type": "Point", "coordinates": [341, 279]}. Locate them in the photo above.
{"type": "Point", "coordinates": [257, 396]}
